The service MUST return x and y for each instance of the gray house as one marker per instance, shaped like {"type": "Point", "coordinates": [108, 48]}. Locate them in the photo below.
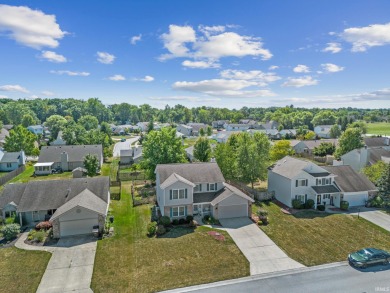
{"type": "Point", "coordinates": [307, 146]}
{"type": "Point", "coordinates": [365, 156]}
{"type": "Point", "coordinates": [198, 189]}
{"type": "Point", "coordinates": [10, 161]}
{"type": "Point", "coordinates": [74, 206]}
{"type": "Point", "coordinates": [36, 129]}
{"type": "Point", "coordinates": [66, 157]}
{"type": "Point", "coordinates": [131, 156]}
{"type": "Point", "coordinates": [184, 129]}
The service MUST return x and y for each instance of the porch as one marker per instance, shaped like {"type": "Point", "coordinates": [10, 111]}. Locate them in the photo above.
{"type": "Point", "coordinates": [202, 209]}
{"type": "Point", "coordinates": [327, 195]}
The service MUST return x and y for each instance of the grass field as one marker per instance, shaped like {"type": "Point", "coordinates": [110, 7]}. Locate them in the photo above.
{"type": "Point", "coordinates": [21, 270]}
{"type": "Point", "coordinates": [132, 262]}
{"type": "Point", "coordinates": [380, 128]}
{"type": "Point", "coordinates": [314, 238]}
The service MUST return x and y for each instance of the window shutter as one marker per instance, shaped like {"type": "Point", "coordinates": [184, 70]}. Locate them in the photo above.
{"type": "Point", "coordinates": [200, 187]}
{"type": "Point", "coordinates": [208, 186]}
{"type": "Point", "coordinates": [306, 182]}
{"type": "Point", "coordinates": [186, 192]}
{"type": "Point", "coordinates": [170, 194]}
{"type": "Point", "coordinates": [171, 212]}
{"type": "Point", "coordinates": [296, 197]}
{"type": "Point", "coordinates": [185, 210]}
{"type": "Point", "coordinates": [305, 197]}
{"type": "Point", "coordinates": [215, 186]}
{"type": "Point", "coordinates": [296, 183]}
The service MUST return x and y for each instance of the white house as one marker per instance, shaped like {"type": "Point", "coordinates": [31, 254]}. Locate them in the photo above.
{"type": "Point", "coordinates": [323, 131]}
{"type": "Point", "coordinates": [292, 178]}
{"type": "Point", "coordinates": [198, 189]}
{"type": "Point", "coordinates": [365, 156]}
{"type": "Point", "coordinates": [237, 127]}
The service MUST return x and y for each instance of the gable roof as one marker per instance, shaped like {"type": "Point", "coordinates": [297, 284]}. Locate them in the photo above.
{"type": "Point", "coordinates": [348, 180]}
{"type": "Point", "coordinates": [35, 127]}
{"type": "Point", "coordinates": [76, 153]}
{"type": "Point", "coordinates": [376, 154]}
{"type": "Point", "coordinates": [85, 199]}
{"type": "Point", "coordinates": [228, 191]}
{"type": "Point", "coordinates": [375, 141]}
{"type": "Point", "coordinates": [311, 144]}
{"type": "Point", "coordinates": [12, 157]}
{"type": "Point", "coordinates": [194, 172]}
{"type": "Point", "coordinates": [126, 153]}
{"type": "Point", "coordinates": [52, 194]}
{"type": "Point", "coordinates": [3, 133]}
{"type": "Point", "coordinates": [288, 166]}
{"type": "Point", "coordinates": [175, 178]}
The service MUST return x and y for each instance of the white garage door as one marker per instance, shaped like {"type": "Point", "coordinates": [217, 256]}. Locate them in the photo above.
{"type": "Point", "coordinates": [77, 227]}
{"type": "Point", "coordinates": [233, 211]}
{"type": "Point", "coordinates": [355, 199]}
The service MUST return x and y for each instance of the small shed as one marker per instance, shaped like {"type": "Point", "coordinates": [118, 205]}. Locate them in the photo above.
{"type": "Point", "coordinates": [79, 172]}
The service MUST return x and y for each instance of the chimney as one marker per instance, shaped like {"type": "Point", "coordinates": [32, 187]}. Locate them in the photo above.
{"type": "Point", "coordinates": [364, 156]}
{"type": "Point", "coordinates": [64, 161]}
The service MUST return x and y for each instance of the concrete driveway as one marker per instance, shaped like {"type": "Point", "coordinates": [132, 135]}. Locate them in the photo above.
{"type": "Point", "coordinates": [377, 217]}
{"type": "Point", "coordinates": [126, 145]}
{"type": "Point", "coordinates": [71, 266]}
{"type": "Point", "coordinates": [262, 253]}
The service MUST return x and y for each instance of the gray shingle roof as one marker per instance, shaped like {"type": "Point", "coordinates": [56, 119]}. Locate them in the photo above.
{"type": "Point", "coordinates": [376, 154]}
{"type": "Point", "coordinates": [52, 194]}
{"type": "Point", "coordinates": [76, 153]}
{"type": "Point", "coordinates": [321, 174]}
{"type": "Point", "coordinates": [174, 178]}
{"type": "Point", "coordinates": [374, 141]}
{"type": "Point", "coordinates": [228, 191]}
{"type": "Point", "coordinates": [10, 157]}
{"type": "Point", "coordinates": [126, 153]}
{"type": "Point", "coordinates": [348, 180]}
{"type": "Point", "coordinates": [325, 189]}
{"type": "Point", "coordinates": [194, 172]}
{"type": "Point", "coordinates": [311, 144]}
{"type": "Point", "coordinates": [289, 167]}
{"type": "Point", "coordinates": [204, 197]}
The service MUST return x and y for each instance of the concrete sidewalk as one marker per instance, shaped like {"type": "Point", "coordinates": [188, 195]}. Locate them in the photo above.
{"type": "Point", "coordinates": [262, 253]}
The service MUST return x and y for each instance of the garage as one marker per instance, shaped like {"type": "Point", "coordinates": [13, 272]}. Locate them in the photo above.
{"type": "Point", "coordinates": [233, 211]}
{"type": "Point", "coordinates": [356, 199]}
{"type": "Point", "coordinates": [77, 227]}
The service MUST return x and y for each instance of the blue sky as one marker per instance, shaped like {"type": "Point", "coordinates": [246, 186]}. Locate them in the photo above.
{"type": "Point", "coordinates": [213, 53]}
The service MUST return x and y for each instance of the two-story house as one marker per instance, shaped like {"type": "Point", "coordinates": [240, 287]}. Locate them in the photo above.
{"type": "Point", "coordinates": [292, 178]}
{"type": "Point", "coordinates": [198, 189]}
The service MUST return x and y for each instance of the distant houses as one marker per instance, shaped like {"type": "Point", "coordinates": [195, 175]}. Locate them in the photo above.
{"type": "Point", "coordinates": [323, 131]}
{"type": "Point", "coordinates": [36, 129]}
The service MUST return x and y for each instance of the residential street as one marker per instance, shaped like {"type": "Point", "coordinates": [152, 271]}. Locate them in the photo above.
{"type": "Point", "coordinates": [377, 217]}
{"type": "Point", "coordinates": [123, 145]}
{"type": "Point", "coordinates": [338, 277]}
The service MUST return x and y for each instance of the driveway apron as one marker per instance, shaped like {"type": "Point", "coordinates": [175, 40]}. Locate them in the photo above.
{"type": "Point", "coordinates": [262, 253]}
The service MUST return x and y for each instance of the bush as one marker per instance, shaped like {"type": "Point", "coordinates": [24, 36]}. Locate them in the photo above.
{"type": "Point", "coordinates": [39, 236]}
{"type": "Point", "coordinates": [182, 221]}
{"type": "Point", "coordinates": [165, 221]}
{"type": "Point", "coordinates": [262, 213]}
{"type": "Point", "coordinates": [175, 222]}
{"type": "Point", "coordinates": [376, 202]}
{"type": "Point", "coordinates": [344, 205]}
{"type": "Point", "coordinates": [189, 218]}
{"type": "Point", "coordinates": [321, 207]}
{"type": "Point", "coordinates": [10, 231]}
{"type": "Point", "coordinates": [206, 218]}
{"type": "Point", "coordinates": [309, 204]}
{"type": "Point", "coordinates": [296, 204]}
{"type": "Point", "coordinates": [43, 225]}
{"type": "Point", "coordinates": [152, 228]}
{"type": "Point", "coordinates": [161, 230]}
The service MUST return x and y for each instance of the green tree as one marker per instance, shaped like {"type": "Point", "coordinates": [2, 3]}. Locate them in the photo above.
{"type": "Point", "coordinates": [88, 122]}
{"type": "Point", "coordinates": [383, 183]}
{"type": "Point", "coordinates": [150, 125]}
{"type": "Point", "coordinates": [225, 158]}
{"type": "Point", "coordinates": [324, 117]}
{"type": "Point", "coordinates": [310, 135]}
{"type": "Point", "coordinates": [360, 125]}
{"type": "Point", "coordinates": [28, 120]}
{"type": "Point", "coordinates": [162, 147]}
{"type": "Point", "coordinates": [351, 139]}
{"type": "Point", "coordinates": [209, 130]}
{"type": "Point", "coordinates": [201, 132]}
{"type": "Point", "coordinates": [202, 149]}
{"type": "Point", "coordinates": [335, 131]}
{"type": "Point", "coordinates": [281, 149]}
{"type": "Point", "coordinates": [20, 139]}
{"type": "Point", "coordinates": [55, 124]}
{"type": "Point", "coordinates": [325, 148]}
{"type": "Point", "coordinates": [375, 171]}
{"type": "Point", "coordinates": [91, 164]}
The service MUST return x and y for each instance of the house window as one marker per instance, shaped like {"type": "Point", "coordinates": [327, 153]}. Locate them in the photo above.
{"type": "Point", "coordinates": [9, 165]}
{"type": "Point", "coordinates": [198, 187]}
{"type": "Point", "coordinates": [178, 212]}
{"type": "Point", "coordinates": [300, 197]}
{"type": "Point", "coordinates": [211, 186]}
{"type": "Point", "coordinates": [178, 194]}
{"type": "Point", "coordinates": [326, 196]}
{"type": "Point", "coordinates": [301, 182]}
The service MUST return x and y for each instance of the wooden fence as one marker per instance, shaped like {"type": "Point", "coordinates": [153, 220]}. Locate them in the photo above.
{"type": "Point", "coordinates": [125, 176]}
{"type": "Point", "coordinates": [253, 193]}
{"type": "Point", "coordinates": [11, 175]}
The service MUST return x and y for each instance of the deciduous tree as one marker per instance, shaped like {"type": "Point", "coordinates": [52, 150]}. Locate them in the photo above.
{"type": "Point", "coordinates": [20, 139]}
{"type": "Point", "coordinates": [202, 149]}
{"type": "Point", "coordinates": [351, 139]}
{"type": "Point", "coordinates": [91, 164]}
{"type": "Point", "coordinates": [281, 149]}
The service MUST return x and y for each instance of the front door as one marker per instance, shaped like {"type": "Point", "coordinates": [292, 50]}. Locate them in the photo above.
{"type": "Point", "coordinates": [197, 209]}
{"type": "Point", "coordinates": [318, 198]}
{"type": "Point", "coordinates": [331, 200]}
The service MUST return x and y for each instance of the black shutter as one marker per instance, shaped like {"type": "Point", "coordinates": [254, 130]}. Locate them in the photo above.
{"type": "Point", "coordinates": [200, 187]}
{"type": "Point", "coordinates": [208, 186]}
{"type": "Point", "coordinates": [306, 182]}
{"type": "Point", "coordinates": [296, 183]}
{"type": "Point", "coordinates": [186, 193]}
{"type": "Point", "coordinates": [170, 194]}
{"type": "Point", "coordinates": [305, 198]}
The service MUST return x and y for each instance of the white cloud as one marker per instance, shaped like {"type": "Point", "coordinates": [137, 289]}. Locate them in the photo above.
{"type": "Point", "coordinates": [223, 88]}
{"type": "Point", "coordinates": [273, 67]}
{"type": "Point", "coordinates": [147, 78]}
{"type": "Point", "coordinates": [70, 73]}
{"type": "Point", "coordinates": [261, 78]}
{"type": "Point", "coordinates": [3, 97]}
{"type": "Point", "coordinates": [105, 58]}
{"type": "Point", "coordinates": [117, 77]}
{"type": "Point", "coordinates": [200, 64]}
{"type": "Point", "coordinates": [301, 69]}
{"type": "Point", "coordinates": [363, 38]}
{"type": "Point", "coordinates": [185, 98]}
{"type": "Point", "coordinates": [13, 88]}
{"type": "Point", "coordinates": [47, 93]}
{"type": "Point", "coordinates": [329, 67]}
{"type": "Point", "coordinates": [53, 57]}
{"type": "Point", "coordinates": [135, 39]}
{"type": "Point", "coordinates": [332, 48]}
{"type": "Point", "coordinates": [300, 81]}
{"type": "Point", "coordinates": [32, 28]}
{"type": "Point", "coordinates": [213, 43]}
{"type": "Point", "coordinates": [33, 97]}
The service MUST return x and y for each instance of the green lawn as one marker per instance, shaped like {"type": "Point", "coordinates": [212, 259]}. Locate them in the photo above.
{"type": "Point", "coordinates": [21, 270]}
{"type": "Point", "coordinates": [314, 238]}
{"type": "Point", "coordinates": [27, 176]}
{"type": "Point", "coordinates": [380, 128]}
{"type": "Point", "coordinates": [132, 262]}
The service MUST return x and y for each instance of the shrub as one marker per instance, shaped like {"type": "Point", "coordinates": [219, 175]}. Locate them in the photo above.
{"type": "Point", "coordinates": [175, 222]}
{"type": "Point", "coordinates": [39, 236]}
{"type": "Point", "coordinates": [262, 213]}
{"type": "Point", "coordinates": [10, 231]}
{"type": "Point", "coordinates": [376, 202]}
{"type": "Point", "coordinates": [43, 225]}
{"type": "Point", "coordinates": [259, 223]}
{"type": "Point", "coordinates": [206, 218]}
{"type": "Point", "coordinates": [344, 205]}
{"type": "Point", "coordinates": [321, 207]}
{"type": "Point", "coordinates": [296, 204]}
{"type": "Point", "coordinates": [309, 204]}
{"type": "Point", "coordinates": [152, 228]}
{"type": "Point", "coordinates": [189, 218]}
{"type": "Point", "coordinates": [165, 221]}
{"type": "Point", "coordinates": [182, 221]}
{"type": "Point", "coordinates": [161, 230]}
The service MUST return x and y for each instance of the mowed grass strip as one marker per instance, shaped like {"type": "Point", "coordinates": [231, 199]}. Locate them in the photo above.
{"type": "Point", "coordinates": [380, 128]}
{"type": "Point", "coordinates": [132, 262]}
{"type": "Point", "coordinates": [21, 270]}
{"type": "Point", "coordinates": [314, 238]}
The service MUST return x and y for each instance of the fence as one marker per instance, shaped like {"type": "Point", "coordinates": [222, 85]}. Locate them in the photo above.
{"type": "Point", "coordinates": [125, 176]}
{"type": "Point", "coordinates": [11, 175]}
{"type": "Point", "coordinates": [253, 193]}
{"type": "Point", "coordinates": [115, 190]}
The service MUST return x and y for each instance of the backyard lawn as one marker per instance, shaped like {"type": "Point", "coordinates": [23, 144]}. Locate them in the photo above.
{"type": "Point", "coordinates": [314, 238]}
{"type": "Point", "coordinates": [132, 262]}
{"type": "Point", "coordinates": [380, 128]}
{"type": "Point", "coordinates": [21, 270]}
{"type": "Point", "coordinates": [27, 176]}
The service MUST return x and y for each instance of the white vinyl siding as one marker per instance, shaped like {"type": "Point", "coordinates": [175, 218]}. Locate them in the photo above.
{"type": "Point", "coordinates": [301, 182]}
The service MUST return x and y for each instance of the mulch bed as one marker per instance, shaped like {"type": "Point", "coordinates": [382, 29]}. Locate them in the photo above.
{"type": "Point", "coordinates": [216, 235]}
{"type": "Point", "coordinates": [285, 209]}
{"type": "Point", "coordinates": [5, 244]}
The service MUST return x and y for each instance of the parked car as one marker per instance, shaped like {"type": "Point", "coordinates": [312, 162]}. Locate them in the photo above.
{"type": "Point", "coordinates": [123, 139]}
{"type": "Point", "coordinates": [56, 170]}
{"type": "Point", "coordinates": [369, 256]}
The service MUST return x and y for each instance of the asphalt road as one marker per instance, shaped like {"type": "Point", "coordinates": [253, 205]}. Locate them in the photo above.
{"type": "Point", "coordinates": [333, 278]}
{"type": "Point", "coordinates": [123, 145]}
